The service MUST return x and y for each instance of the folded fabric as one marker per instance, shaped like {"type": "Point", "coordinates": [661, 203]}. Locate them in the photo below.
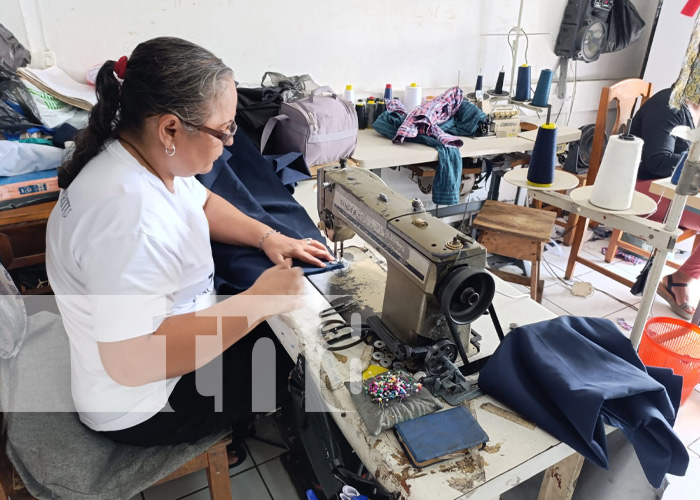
{"type": "Point", "coordinates": [572, 375]}
{"type": "Point", "coordinates": [290, 168]}
{"type": "Point", "coordinates": [246, 179]}
{"type": "Point", "coordinates": [18, 158]}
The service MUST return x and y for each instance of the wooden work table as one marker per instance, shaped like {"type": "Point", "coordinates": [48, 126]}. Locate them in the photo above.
{"type": "Point", "coordinates": [666, 189]}
{"type": "Point", "coordinates": [376, 151]}
{"type": "Point", "coordinates": [516, 450]}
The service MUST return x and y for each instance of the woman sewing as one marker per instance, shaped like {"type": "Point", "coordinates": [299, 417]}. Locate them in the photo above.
{"type": "Point", "coordinates": [129, 256]}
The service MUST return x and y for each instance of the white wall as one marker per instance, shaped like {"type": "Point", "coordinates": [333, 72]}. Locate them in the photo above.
{"type": "Point", "coordinates": [670, 41]}
{"type": "Point", "coordinates": [365, 43]}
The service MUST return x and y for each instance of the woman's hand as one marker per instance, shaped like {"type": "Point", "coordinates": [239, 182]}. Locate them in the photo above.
{"type": "Point", "coordinates": [277, 247]}
{"type": "Point", "coordinates": [278, 290]}
{"type": "Point", "coordinates": [282, 279]}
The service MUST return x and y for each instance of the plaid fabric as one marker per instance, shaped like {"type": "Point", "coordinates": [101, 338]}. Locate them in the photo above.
{"type": "Point", "coordinates": [425, 118]}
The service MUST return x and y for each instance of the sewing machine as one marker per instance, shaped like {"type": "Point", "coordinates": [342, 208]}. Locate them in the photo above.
{"type": "Point", "coordinates": [432, 268]}
{"type": "Point", "coordinates": [503, 119]}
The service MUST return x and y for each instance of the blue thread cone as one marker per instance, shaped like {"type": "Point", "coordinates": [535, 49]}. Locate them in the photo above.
{"type": "Point", "coordinates": [541, 98]}
{"type": "Point", "coordinates": [541, 170]}
{"type": "Point", "coordinates": [522, 90]}
{"type": "Point", "coordinates": [499, 82]}
{"type": "Point", "coordinates": [479, 83]}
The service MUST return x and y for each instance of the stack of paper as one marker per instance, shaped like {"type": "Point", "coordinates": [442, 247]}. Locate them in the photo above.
{"type": "Point", "coordinates": [56, 82]}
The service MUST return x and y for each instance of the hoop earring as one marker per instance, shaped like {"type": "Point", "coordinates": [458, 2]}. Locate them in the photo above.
{"type": "Point", "coordinates": [169, 152]}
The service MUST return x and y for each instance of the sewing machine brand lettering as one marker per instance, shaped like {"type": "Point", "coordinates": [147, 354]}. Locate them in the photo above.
{"type": "Point", "coordinates": [377, 232]}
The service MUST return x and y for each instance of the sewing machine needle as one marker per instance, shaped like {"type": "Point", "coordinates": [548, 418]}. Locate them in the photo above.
{"type": "Point", "coordinates": [335, 250]}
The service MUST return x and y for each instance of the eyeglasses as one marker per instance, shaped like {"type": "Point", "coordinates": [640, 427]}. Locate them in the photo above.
{"type": "Point", "coordinates": [224, 137]}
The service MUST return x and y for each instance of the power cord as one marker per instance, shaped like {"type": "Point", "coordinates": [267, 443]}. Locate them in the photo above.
{"type": "Point", "coordinates": [569, 284]}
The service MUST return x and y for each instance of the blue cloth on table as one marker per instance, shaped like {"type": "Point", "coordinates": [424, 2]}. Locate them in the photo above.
{"type": "Point", "coordinates": [246, 179]}
{"type": "Point", "coordinates": [448, 176]}
{"type": "Point", "coordinates": [571, 375]}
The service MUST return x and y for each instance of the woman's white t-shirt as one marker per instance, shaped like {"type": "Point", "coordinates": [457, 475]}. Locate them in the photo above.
{"type": "Point", "coordinates": [122, 254]}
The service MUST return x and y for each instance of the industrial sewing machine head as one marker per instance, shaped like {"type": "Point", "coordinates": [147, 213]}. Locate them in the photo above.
{"type": "Point", "coordinates": [434, 270]}
{"type": "Point", "coordinates": [502, 120]}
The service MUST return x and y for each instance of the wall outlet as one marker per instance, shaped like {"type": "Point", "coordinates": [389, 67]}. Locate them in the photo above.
{"type": "Point", "coordinates": [48, 58]}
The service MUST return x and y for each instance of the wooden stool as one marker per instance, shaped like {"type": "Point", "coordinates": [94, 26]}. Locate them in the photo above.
{"type": "Point", "coordinates": [214, 461]}
{"type": "Point", "coordinates": [516, 232]}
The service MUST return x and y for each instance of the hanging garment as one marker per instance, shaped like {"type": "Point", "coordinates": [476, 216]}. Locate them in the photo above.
{"type": "Point", "coordinates": [246, 179]}
{"type": "Point", "coordinates": [687, 86]}
{"type": "Point", "coordinates": [448, 177]}
{"type": "Point", "coordinates": [572, 375]}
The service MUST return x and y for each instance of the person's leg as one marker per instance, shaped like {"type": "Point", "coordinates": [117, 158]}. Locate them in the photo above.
{"type": "Point", "coordinates": [191, 413]}
{"type": "Point", "coordinates": [674, 288]}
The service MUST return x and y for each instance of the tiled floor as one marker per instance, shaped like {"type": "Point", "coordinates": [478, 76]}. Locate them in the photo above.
{"type": "Point", "coordinates": [262, 476]}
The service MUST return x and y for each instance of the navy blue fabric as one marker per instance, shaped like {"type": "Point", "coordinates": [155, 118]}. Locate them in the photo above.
{"type": "Point", "coordinates": [572, 375]}
{"type": "Point", "coordinates": [250, 182]}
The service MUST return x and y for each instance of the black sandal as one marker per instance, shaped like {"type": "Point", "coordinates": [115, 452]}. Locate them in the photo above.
{"type": "Point", "coordinates": [665, 289]}
{"type": "Point", "coordinates": [238, 450]}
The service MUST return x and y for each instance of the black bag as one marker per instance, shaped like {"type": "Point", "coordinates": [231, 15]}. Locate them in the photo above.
{"type": "Point", "coordinates": [625, 26]}
{"type": "Point", "coordinates": [255, 107]}
{"type": "Point", "coordinates": [17, 109]}
{"type": "Point", "coordinates": [641, 281]}
{"type": "Point", "coordinates": [12, 53]}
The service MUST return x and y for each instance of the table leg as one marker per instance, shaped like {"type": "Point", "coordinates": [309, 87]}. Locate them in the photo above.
{"type": "Point", "coordinates": [495, 186]}
{"type": "Point", "coordinates": [560, 479]}
{"type": "Point", "coordinates": [534, 279]}
{"type": "Point", "coordinates": [696, 316]}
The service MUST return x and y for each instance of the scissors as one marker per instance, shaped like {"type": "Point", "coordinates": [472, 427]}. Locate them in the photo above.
{"type": "Point", "coordinates": [338, 308]}
{"type": "Point", "coordinates": [350, 493]}
{"type": "Point", "coordinates": [339, 330]}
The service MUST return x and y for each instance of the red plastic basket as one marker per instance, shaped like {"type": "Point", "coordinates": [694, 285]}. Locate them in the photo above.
{"type": "Point", "coordinates": [673, 343]}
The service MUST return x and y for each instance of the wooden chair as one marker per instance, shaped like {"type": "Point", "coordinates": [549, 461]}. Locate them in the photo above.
{"type": "Point", "coordinates": [624, 94]}
{"type": "Point", "coordinates": [517, 232]}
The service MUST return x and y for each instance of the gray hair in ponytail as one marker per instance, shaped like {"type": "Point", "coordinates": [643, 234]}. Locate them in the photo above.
{"type": "Point", "coordinates": [164, 75]}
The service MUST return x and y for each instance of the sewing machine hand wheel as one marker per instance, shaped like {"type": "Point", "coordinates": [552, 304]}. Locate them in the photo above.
{"type": "Point", "coordinates": [435, 363]}
{"type": "Point", "coordinates": [465, 294]}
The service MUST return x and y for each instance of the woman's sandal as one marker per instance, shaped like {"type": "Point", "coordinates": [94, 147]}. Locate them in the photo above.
{"type": "Point", "coordinates": [665, 289]}
{"type": "Point", "coordinates": [236, 454]}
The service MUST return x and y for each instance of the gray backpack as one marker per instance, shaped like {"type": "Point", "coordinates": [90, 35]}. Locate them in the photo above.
{"type": "Point", "coordinates": [321, 127]}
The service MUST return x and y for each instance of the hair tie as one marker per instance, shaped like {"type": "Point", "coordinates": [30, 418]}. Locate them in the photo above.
{"type": "Point", "coordinates": [120, 67]}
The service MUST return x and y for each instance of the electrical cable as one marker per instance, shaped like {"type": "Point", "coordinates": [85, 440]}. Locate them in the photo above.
{"type": "Point", "coordinates": [573, 93]}
{"type": "Point", "coordinates": [569, 285]}
{"type": "Point", "coordinates": [559, 112]}
{"type": "Point", "coordinates": [514, 31]}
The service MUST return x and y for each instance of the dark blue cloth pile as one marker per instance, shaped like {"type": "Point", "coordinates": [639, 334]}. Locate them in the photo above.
{"type": "Point", "coordinates": [572, 375]}
{"type": "Point", "coordinates": [254, 184]}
